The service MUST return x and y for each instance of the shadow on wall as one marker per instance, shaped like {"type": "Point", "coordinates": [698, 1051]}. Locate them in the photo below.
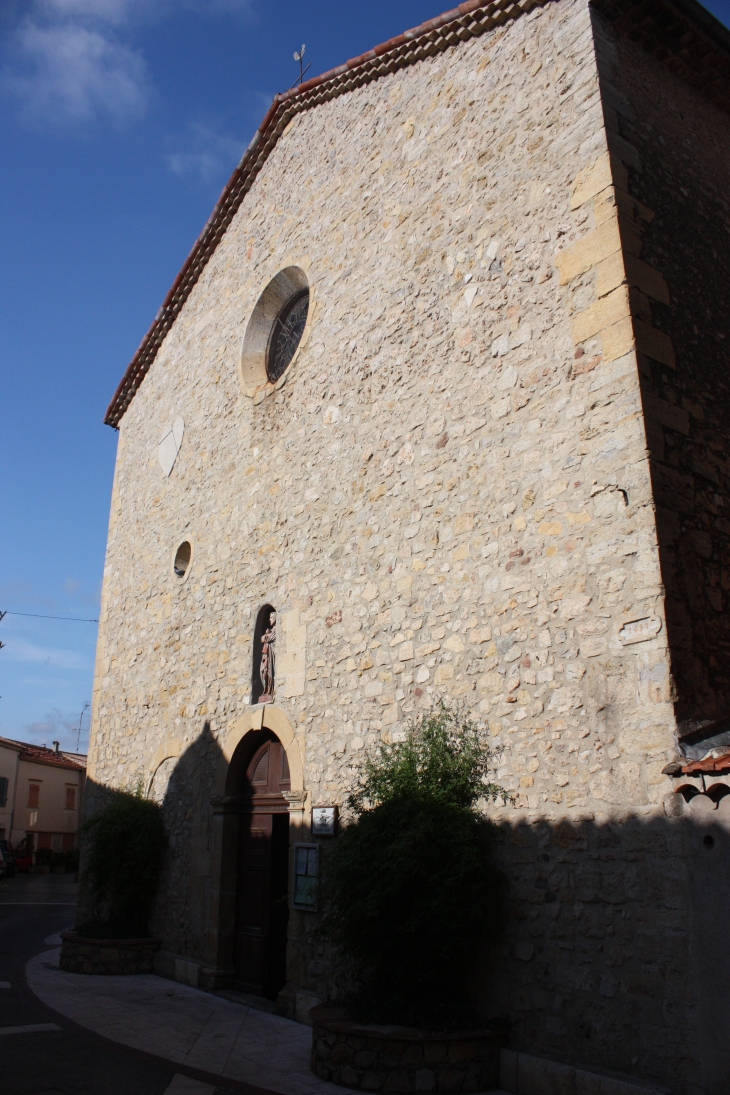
{"type": "Point", "coordinates": [615, 955]}
{"type": "Point", "coordinates": [675, 145]}
{"type": "Point", "coordinates": [219, 833]}
{"type": "Point", "coordinates": [184, 787]}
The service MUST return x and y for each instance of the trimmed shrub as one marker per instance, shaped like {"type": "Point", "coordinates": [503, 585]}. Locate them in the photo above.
{"type": "Point", "coordinates": [123, 848]}
{"type": "Point", "coordinates": [445, 758]}
{"type": "Point", "coordinates": [43, 857]}
{"type": "Point", "coordinates": [410, 892]}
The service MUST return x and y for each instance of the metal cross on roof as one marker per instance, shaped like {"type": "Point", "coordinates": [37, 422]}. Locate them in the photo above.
{"type": "Point", "coordinates": [300, 58]}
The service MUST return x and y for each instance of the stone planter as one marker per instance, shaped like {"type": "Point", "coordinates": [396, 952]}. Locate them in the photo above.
{"type": "Point", "coordinates": [41, 868]}
{"type": "Point", "coordinates": [401, 1059]}
{"type": "Point", "coordinates": [58, 870]}
{"type": "Point", "coordinates": [106, 956]}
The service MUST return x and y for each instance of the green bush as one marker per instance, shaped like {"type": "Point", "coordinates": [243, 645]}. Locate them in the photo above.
{"type": "Point", "coordinates": [43, 857]}
{"type": "Point", "coordinates": [58, 859]}
{"type": "Point", "coordinates": [123, 848]}
{"type": "Point", "coordinates": [444, 758]}
{"type": "Point", "coordinates": [71, 859]}
{"type": "Point", "coordinates": [410, 893]}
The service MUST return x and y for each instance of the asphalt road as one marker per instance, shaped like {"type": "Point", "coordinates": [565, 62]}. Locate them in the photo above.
{"type": "Point", "coordinates": [68, 1060]}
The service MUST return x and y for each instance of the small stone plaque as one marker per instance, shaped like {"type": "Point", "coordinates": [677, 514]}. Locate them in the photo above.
{"type": "Point", "coordinates": [169, 447]}
{"type": "Point", "coordinates": [638, 631]}
{"type": "Point", "coordinates": [324, 819]}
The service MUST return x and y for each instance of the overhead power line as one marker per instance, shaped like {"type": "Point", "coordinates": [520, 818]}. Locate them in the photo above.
{"type": "Point", "coordinates": [38, 616]}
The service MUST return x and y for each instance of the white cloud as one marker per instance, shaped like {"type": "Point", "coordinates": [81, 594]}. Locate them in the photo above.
{"type": "Point", "coordinates": [116, 12]}
{"type": "Point", "coordinates": [17, 650]}
{"type": "Point", "coordinates": [57, 727]}
{"type": "Point", "coordinates": [67, 64]}
{"type": "Point", "coordinates": [69, 73]}
{"type": "Point", "coordinates": [98, 11]}
{"type": "Point", "coordinates": [206, 154]}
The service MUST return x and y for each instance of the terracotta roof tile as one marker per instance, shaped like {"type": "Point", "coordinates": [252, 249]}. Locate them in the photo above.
{"type": "Point", "coordinates": [708, 764]}
{"type": "Point", "coordinates": [38, 754]}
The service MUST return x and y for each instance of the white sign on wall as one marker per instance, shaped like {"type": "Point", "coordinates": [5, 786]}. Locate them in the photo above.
{"type": "Point", "coordinates": [324, 819]}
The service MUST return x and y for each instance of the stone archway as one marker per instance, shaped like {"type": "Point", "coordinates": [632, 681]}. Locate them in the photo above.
{"type": "Point", "coordinates": [265, 717]}
{"type": "Point", "coordinates": [244, 741]}
{"type": "Point", "coordinates": [262, 867]}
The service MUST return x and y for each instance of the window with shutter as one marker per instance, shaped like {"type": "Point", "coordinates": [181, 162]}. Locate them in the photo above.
{"type": "Point", "coordinates": [34, 792]}
{"type": "Point", "coordinates": [3, 790]}
{"type": "Point", "coordinates": [261, 772]}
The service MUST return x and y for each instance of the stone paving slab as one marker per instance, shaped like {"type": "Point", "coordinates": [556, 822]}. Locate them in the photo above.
{"type": "Point", "coordinates": [184, 1025]}
{"type": "Point", "coordinates": [183, 1085]}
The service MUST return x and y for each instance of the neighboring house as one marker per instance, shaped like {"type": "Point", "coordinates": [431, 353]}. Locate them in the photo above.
{"type": "Point", "coordinates": [9, 754]}
{"type": "Point", "coordinates": [41, 792]}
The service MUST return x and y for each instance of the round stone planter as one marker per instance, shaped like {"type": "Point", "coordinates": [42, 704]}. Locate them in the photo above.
{"type": "Point", "coordinates": [106, 956]}
{"type": "Point", "coordinates": [401, 1059]}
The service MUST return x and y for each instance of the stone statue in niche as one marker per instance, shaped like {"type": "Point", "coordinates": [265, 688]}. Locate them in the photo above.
{"type": "Point", "coordinates": [268, 660]}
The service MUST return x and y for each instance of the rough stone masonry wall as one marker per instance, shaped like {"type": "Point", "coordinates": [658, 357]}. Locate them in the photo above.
{"type": "Point", "coordinates": [676, 151]}
{"type": "Point", "coordinates": [676, 148]}
{"type": "Point", "coordinates": [447, 497]}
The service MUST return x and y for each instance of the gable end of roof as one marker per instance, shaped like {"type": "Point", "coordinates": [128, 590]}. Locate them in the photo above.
{"type": "Point", "coordinates": [469, 20]}
{"type": "Point", "coordinates": [680, 33]}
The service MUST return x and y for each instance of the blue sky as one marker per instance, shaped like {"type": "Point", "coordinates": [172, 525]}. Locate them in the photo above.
{"type": "Point", "coordinates": [120, 122]}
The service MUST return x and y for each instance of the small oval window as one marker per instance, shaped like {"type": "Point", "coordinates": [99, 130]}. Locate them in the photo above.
{"type": "Point", "coordinates": [182, 559]}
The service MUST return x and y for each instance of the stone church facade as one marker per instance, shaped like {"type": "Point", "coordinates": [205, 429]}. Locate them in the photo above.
{"type": "Point", "coordinates": [495, 472]}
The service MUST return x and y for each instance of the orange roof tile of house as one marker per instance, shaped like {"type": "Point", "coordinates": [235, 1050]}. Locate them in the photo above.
{"type": "Point", "coordinates": [39, 754]}
{"type": "Point", "coordinates": [711, 763]}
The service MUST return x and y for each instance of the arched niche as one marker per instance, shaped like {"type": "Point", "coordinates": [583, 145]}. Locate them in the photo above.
{"type": "Point", "coordinates": [170, 749]}
{"type": "Point", "coordinates": [262, 625]}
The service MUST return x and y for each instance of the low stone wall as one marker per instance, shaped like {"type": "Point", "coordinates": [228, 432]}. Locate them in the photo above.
{"type": "Point", "coordinates": [106, 956]}
{"type": "Point", "coordinates": [401, 1059]}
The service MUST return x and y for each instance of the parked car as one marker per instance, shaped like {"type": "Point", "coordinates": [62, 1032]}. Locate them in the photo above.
{"type": "Point", "coordinates": [23, 861]}
{"type": "Point", "coordinates": [10, 856]}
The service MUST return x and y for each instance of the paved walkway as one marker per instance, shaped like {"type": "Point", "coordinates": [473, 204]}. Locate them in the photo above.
{"type": "Point", "coordinates": [183, 1025]}
{"type": "Point", "coordinates": [40, 1050]}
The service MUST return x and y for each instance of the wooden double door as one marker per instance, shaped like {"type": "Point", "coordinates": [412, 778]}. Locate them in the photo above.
{"type": "Point", "coordinates": [262, 885]}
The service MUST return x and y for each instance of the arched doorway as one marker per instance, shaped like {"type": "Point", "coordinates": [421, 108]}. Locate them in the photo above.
{"type": "Point", "coordinates": [262, 877]}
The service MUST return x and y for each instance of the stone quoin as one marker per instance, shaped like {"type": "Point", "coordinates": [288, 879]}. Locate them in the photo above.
{"type": "Point", "coordinates": [443, 387]}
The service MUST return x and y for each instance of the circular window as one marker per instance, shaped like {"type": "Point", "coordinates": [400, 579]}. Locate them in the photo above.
{"type": "Point", "coordinates": [286, 334]}
{"type": "Point", "coordinates": [276, 330]}
{"type": "Point", "coordinates": [182, 559]}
